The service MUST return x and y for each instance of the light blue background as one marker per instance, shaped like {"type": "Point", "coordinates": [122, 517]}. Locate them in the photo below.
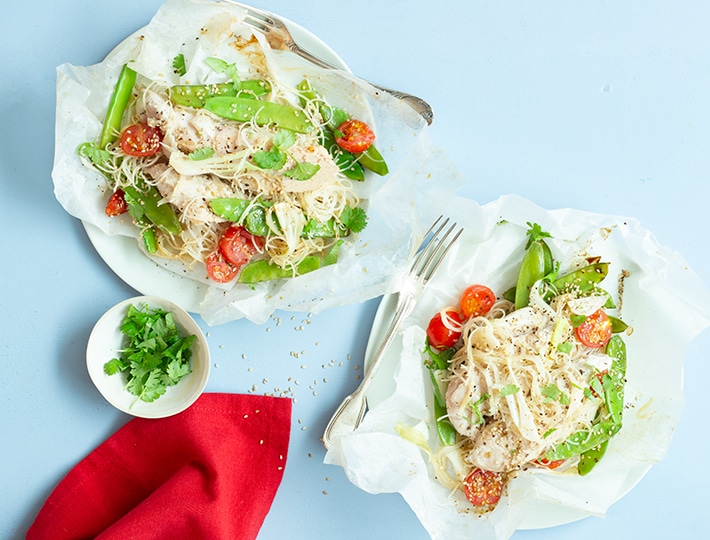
{"type": "Point", "coordinates": [602, 106]}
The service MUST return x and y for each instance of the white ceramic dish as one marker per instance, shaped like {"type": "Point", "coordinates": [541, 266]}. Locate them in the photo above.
{"type": "Point", "coordinates": [124, 257]}
{"type": "Point", "coordinates": [105, 341]}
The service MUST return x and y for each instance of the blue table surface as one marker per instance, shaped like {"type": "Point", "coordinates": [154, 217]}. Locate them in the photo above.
{"type": "Point", "coordinates": [602, 106]}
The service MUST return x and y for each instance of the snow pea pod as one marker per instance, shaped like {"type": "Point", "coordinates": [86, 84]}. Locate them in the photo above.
{"type": "Point", "coordinates": [149, 199]}
{"type": "Point", "coordinates": [589, 459]}
{"type": "Point", "coordinates": [262, 113]}
{"type": "Point", "coordinates": [333, 116]}
{"type": "Point", "coordinates": [532, 269]}
{"type": "Point", "coordinates": [263, 270]}
{"type": "Point", "coordinates": [195, 95]}
{"type": "Point", "coordinates": [584, 279]}
{"type": "Point", "coordinates": [119, 100]}
{"type": "Point", "coordinates": [236, 210]}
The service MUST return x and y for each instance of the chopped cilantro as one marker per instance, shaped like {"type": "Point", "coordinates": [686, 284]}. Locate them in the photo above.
{"type": "Point", "coordinates": [474, 406]}
{"type": "Point", "coordinates": [179, 64]}
{"type": "Point", "coordinates": [270, 159]}
{"type": "Point", "coordinates": [155, 355]}
{"type": "Point", "coordinates": [509, 389]}
{"type": "Point", "coordinates": [552, 393]}
{"type": "Point", "coordinates": [201, 153]}
{"type": "Point", "coordinates": [302, 171]}
{"type": "Point", "coordinates": [565, 347]}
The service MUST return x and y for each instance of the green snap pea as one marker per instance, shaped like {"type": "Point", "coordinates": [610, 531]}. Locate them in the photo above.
{"type": "Point", "coordinates": [617, 325]}
{"type": "Point", "coordinates": [262, 113]}
{"type": "Point", "coordinates": [444, 429]}
{"type": "Point", "coordinates": [584, 440]}
{"type": "Point", "coordinates": [532, 269]}
{"type": "Point", "coordinates": [349, 163]}
{"type": "Point", "coordinates": [584, 279]}
{"type": "Point", "coordinates": [119, 100]}
{"type": "Point", "coordinates": [195, 95]}
{"type": "Point", "coordinates": [346, 161]}
{"type": "Point", "coordinates": [263, 270]}
{"type": "Point", "coordinates": [150, 242]}
{"type": "Point", "coordinates": [328, 229]}
{"type": "Point", "coordinates": [148, 200]}
{"type": "Point", "coordinates": [589, 459]}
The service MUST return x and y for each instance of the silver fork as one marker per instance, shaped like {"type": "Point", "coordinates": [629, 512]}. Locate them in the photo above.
{"type": "Point", "coordinates": [280, 38]}
{"type": "Point", "coordinates": [431, 252]}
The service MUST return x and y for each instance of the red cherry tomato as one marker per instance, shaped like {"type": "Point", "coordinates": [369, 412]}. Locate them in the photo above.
{"type": "Point", "coordinates": [595, 331]}
{"type": "Point", "coordinates": [238, 246]}
{"type": "Point", "coordinates": [443, 335]}
{"type": "Point", "coordinates": [141, 140]}
{"type": "Point", "coordinates": [354, 136]}
{"type": "Point", "coordinates": [116, 204]}
{"type": "Point", "coordinates": [483, 488]}
{"type": "Point", "coordinates": [220, 270]}
{"type": "Point", "coordinates": [477, 300]}
{"type": "Point", "coordinates": [542, 462]}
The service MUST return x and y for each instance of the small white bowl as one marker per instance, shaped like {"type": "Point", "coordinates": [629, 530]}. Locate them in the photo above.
{"type": "Point", "coordinates": [106, 340]}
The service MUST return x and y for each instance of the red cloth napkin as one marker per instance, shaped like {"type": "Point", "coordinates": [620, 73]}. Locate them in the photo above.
{"type": "Point", "coordinates": [209, 472]}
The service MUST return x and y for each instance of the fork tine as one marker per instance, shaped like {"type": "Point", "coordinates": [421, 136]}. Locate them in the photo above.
{"type": "Point", "coordinates": [441, 254]}
{"type": "Point", "coordinates": [429, 236]}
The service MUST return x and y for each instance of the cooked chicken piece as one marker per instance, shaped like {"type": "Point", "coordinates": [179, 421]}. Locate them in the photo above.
{"type": "Point", "coordinates": [190, 194]}
{"type": "Point", "coordinates": [464, 403]}
{"type": "Point", "coordinates": [189, 129]}
{"type": "Point", "coordinates": [498, 448]}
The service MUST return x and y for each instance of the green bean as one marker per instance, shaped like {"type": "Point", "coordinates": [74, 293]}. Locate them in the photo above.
{"type": "Point", "coordinates": [261, 112]}
{"type": "Point", "coordinates": [119, 100]}
{"type": "Point", "coordinates": [195, 95]}
{"type": "Point", "coordinates": [532, 269]}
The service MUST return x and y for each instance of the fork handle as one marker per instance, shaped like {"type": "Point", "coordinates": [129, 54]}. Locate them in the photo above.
{"type": "Point", "coordinates": [349, 414]}
{"type": "Point", "coordinates": [416, 103]}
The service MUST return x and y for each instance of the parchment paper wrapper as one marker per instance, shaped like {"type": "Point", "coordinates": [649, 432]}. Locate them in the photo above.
{"type": "Point", "coordinates": [663, 300]}
{"type": "Point", "coordinates": [400, 206]}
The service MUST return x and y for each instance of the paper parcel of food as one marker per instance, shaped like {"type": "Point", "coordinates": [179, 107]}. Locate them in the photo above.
{"type": "Point", "coordinates": [663, 301]}
{"type": "Point", "coordinates": [192, 43]}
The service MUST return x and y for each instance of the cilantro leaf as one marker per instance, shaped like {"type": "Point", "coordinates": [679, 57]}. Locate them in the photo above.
{"type": "Point", "coordinates": [284, 138]}
{"type": "Point", "coordinates": [354, 219]}
{"type": "Point", "coordinates": [221, 66]}
{"type": "Point", "coordinates": [273, 158]}
{"type": "Point", "coordinates": [201, 153]}
{"type": "Point", "coordinates": [535, 233]}
{"type": "Point", "coordinates": [508, 390]}
{"type": "Point", "coordinates": [302, 171]}
{"type": "Point", "coordinates": [113, 366]}
{"type": "Point", "coordinates": [179, 64]}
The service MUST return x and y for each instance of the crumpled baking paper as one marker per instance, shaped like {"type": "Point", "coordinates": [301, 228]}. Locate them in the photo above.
{"type": "Point", "coordinates": [400, 206]}
{"type": "Point", "coordinates": [663, 300]}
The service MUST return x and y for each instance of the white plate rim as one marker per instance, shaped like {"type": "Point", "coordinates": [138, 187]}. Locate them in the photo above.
{"type": "Point", "coordinates": [122, 253]}
{"type": "Point", "coordinates": [542, 515]}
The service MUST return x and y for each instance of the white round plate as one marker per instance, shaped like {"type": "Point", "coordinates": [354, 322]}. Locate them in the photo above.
{"type": "Point", "coordinates": [106, 340]}
{"type": "Point", "coordinates": [542, 514]}
{"type": "Point", "coordinates": [128, 262]}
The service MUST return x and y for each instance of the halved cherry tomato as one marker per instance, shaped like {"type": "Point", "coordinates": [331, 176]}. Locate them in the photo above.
{"type": "Point", "coordinates": [477, 300]}
{"type": "Point", "coordinates": [440, 335]}
{"type": "Point", "coordinates": [595, 331]}
{"type": "Point", "coordinates": [542, 462]}
{"type": "Point", "coordinates": [116, 204]}
{"type": "Point", "coordinates": [218, 269]}
{"type": "Point", "coordinates": [354, 136]}
{"type": "Point", "coordinates": [483, 488]}
{"type": "Point", "coordinates": [238, 245]}
{"type": "Point", "coordinates": [141, 140]}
